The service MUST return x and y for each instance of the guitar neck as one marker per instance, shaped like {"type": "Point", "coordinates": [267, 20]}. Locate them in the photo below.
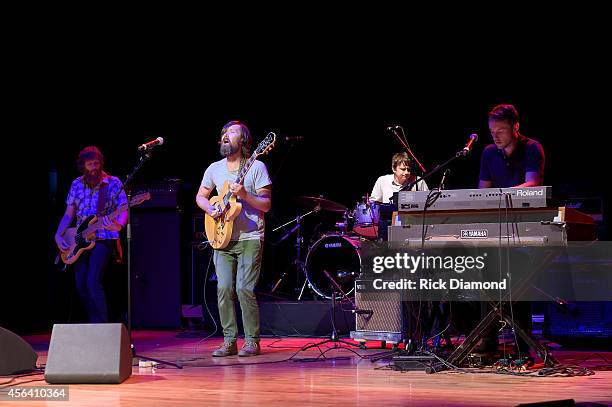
{"type": "Point", "coordinates": [245, 168]}
{"type": "Point", "coordinates": [92, 228]}
{"type": "Point", "coordinates": [262, 148]}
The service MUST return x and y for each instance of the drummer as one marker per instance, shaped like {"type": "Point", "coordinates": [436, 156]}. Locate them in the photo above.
{"type": "Point", "coordinates": [386, 185]}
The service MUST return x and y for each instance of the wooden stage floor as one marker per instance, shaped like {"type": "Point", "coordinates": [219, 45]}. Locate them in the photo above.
{"type": "Point", "coordinates": [351, 379]}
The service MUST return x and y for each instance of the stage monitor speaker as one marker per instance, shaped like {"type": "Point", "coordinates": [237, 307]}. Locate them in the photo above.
{"type": "Point", "coordinates": [552, 403]}
{"type": "Point", "coordinates": [156, 268]}
{"type": "Point", "coordinates": [16, 355]}
{"type": "Point", "coordinates": [88, 353]}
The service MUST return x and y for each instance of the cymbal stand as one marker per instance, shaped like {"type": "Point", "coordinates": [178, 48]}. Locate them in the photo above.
{"type": "Point", "coordinates": [298, 263]}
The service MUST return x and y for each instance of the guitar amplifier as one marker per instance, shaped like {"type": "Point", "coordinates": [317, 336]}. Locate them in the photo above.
{"type": "Point", "coordinates": [379, 316]}
{"type": "Point", "coordinates": [164, 194]}
{"type": "Point", "coordinates": [198, 234]}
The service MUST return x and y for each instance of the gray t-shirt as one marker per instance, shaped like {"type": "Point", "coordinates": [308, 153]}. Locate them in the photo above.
{"type": "Point", "coordinates": [249, 225]}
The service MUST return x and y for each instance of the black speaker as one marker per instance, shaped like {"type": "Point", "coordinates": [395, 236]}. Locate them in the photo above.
{"type": "Point", "coordinates": [551, 403]}
{"type": "Point", "coordinates": [16, 355]}
{"type": "Point", "coordinates": [88, 353]}
{"type": "Point", "coordinates": [156, 268]}
{"type": "Point", "coordinates": [590, 320]}
{"type": "Point", "coordinates": [202, 276]}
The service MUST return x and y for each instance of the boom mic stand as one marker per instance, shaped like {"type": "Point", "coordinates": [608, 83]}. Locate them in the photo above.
{"type": "Point", "coordinates": [334, 337]}
{"type": "Point", "coordinates": [432, 197]}
{"type": "Point", "coordinates": [461, 153]}
{"type": "Point", "coordinates": [145, 156]}
{"type": "Point", "coordinates": [404, 142]}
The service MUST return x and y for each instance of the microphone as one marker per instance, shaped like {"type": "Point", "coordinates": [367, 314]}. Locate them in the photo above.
{"type": "Point", "coordinates": [294, 138]}
{"type": "Point", "coordinates": [146, 146]}
{"type": "Point", "coordinates": [468, 146]}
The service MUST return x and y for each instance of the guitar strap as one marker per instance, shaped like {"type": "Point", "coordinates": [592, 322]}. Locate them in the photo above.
{"type": "Point", "coordinates": [242, 162]}
{"type": "Point", "coordinates": [103, 196]}
{"type": "Point", "coordinates": [102, 199]}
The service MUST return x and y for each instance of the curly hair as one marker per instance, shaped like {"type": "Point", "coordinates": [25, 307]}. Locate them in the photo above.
{"type": "Point", "coordinates": [87, 154]}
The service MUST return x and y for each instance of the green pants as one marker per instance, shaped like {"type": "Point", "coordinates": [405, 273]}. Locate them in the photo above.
{"type": "Point", "coordinates": [238, 267]}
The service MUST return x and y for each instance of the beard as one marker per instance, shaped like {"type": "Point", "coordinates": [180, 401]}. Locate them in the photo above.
{"type": "Point", "coordinates": [93, 178]}
{"type": "Point", "coordinates": [227, 149]}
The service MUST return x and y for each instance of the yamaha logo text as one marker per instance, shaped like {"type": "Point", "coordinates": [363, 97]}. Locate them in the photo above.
{"type": "Point", "coordinates": [475, 234]}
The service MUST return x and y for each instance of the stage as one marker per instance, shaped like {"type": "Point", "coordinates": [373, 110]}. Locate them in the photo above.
{"type": "Point", "coordinates": [283, 375]}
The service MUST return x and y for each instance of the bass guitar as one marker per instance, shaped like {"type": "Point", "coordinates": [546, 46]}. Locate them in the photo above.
{"type": "Point", "coordinates": [82, 238]}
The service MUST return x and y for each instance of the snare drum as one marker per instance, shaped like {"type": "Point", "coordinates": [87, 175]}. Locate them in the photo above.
{"type": "Point", "coordinates": [366, 217]}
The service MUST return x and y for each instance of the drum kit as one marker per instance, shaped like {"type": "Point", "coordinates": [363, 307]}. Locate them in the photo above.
{"type": "Point", "coordinates": [336, 254]}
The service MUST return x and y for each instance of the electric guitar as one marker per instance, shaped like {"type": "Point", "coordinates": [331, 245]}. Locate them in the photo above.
{"type": "Point", "coordinates": [219, 230]}
{"type": "Point", "coordinates": [81, 239]}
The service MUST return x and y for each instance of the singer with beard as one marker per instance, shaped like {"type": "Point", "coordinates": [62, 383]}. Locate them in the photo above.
{"type": "Point", "coordinates": [387, 185]}
{"type": "Point", "coordinates": [238, 265]}
{"type": "Point", "coordinates": [93, 193]}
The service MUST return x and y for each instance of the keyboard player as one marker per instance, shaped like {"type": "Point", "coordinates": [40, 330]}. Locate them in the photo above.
{"type": "Point", "coordinates": [513, 160]}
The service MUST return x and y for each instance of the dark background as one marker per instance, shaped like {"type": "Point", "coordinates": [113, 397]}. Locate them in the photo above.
{"type": "Point", "coordinates": [340, 102]}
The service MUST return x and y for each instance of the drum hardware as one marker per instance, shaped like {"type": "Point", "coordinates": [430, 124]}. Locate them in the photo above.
{"type": "Point", "coordinates": [299, 240]}
{"type": "Point", "coordinates": [320, 202]}
{"type": "Point", "coordinates": [346, 225]}
{"type": "Point", "coordinates": [316, 205]}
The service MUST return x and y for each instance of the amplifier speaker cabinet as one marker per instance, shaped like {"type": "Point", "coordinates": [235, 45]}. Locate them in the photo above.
{"type": "Point", "coordinates": [385, 322]}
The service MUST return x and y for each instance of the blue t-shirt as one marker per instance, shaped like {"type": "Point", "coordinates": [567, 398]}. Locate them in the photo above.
{"type": "Point", "coordinates": [249, 225]}
{"type": "Point", "coordinates": [505, 172]}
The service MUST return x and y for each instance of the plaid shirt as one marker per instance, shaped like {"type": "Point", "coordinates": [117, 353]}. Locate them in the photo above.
{"type": "Point", "coordinates": [85, 200]}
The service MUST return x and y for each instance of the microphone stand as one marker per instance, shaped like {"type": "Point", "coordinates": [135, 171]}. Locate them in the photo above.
{"type": "Point", "coordinates": [146, 154]}
{"type": "Point", "coordinates": [461, 153]}
{"type": "Point", "coordinates": [409, 352]}
{"type": "Point", "coordinates": [334, 337]}
{"type": "Point", "coordinates": [405, 144]}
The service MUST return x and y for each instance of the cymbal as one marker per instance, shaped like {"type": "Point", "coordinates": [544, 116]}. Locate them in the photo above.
{"type": "Point", "coordinates": [322, 203]}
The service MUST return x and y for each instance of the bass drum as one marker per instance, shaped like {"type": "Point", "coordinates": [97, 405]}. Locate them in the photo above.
{"type": "Point", "coordinates": [340, 257]}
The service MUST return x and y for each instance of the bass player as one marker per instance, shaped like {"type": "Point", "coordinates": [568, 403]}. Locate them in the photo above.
{"type": "Point", "coordinates": [92, 194]}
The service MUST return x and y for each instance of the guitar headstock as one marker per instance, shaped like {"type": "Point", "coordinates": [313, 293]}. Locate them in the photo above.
{"type": "Point", "coordinates": [136, 200]}
{"type": "Point", "coordinates": [266, 144]}
{"type": "Point", "coordinates": [140, 198]}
